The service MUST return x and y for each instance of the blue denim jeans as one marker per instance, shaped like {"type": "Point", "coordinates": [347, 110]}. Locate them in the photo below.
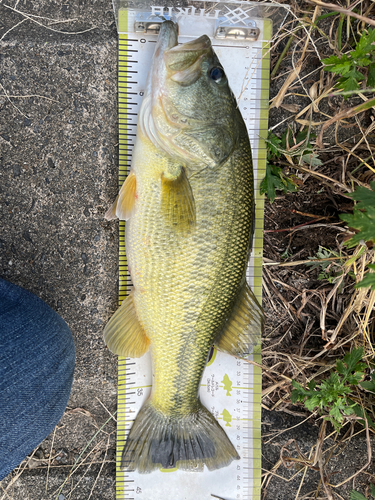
{"type": "Point", "coordinates": [37, 359]}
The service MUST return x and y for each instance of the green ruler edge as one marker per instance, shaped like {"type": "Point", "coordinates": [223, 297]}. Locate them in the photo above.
{"type": "Point", "coordinates": [124, 278]}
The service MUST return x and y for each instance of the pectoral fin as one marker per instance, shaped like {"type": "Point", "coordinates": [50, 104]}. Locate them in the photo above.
{"type": "Point", "coordinates": [244, 327]}
{"type": "Point", "coordinates": [124, 334]}
{"type": "Point", "coordinates": [111, 212]}
{"type": "Point", "coordinates": [124, 204]}
{"type": "Point", "coordinates": [177, 200]}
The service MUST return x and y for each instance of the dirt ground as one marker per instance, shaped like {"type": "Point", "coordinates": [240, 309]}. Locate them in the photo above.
{"type": "Point", "coordinates": [58, 173]}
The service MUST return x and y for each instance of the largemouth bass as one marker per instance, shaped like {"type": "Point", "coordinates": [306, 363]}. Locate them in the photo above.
{"type": "Point", "coordinates": [189, 205]}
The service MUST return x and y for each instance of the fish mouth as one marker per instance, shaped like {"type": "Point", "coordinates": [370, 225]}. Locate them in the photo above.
{"type": "Point", "coordinates": [167, 38]}
{"type": "Point", "coordinates": [180, 63]}
{"type": "Point", "coordinates": [184, 62]}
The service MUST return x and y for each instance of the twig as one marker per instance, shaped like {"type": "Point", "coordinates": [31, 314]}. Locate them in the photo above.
{"type": "Point", "coordinates": [75, 466]}
{"type": "Point", "coordinates": [106, 409]}
{"type": "Point", "coordinates": [369, 455]}
{"type": "Point", "coordinates": [342, 10]}
{"type": "Point", "coordinates": [49, 458]}
{"type": "Point", "coordinates": [28, 16]}
{"type": "Point", "coordinates": [5, 92]}
{"type": "Point", "coordinates": [27, 96]}
{"type": "Point", "coordinates": [347, 113]}
{"type": "Point", "coordinates": [300, 262]}
{"type": "Point", "coordinates": [313, 216]}
{"type": "Point", "coordinates": [319, 456]}
{"type": "Point", "coordinates": [101, 467]}
{"type": "Point", "coordinates": [12, 28]}
{"type": "Point", "coordinates": [294, 227]}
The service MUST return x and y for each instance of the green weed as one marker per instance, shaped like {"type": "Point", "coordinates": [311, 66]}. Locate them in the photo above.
{"type": "Point", "coordinates": [298, 148]}
{"type": "Point", "coordinates": [330, 271]}
{"type": "Point", "coordinates": [363, 221]}
{"type": "Point", "coordinates": [332, 395]}
{"type": "Point", "coordinates": [355, 495]}
{"type": "Point", "coordinates": [348, 65]}
{"type": "Point", "coordinates": [275, 180]}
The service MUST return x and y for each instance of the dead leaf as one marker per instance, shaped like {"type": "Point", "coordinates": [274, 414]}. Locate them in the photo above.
{"type": "Point", "coordinates": [292, 108]}
{"type": "Point", "coordinates": [277, 101]}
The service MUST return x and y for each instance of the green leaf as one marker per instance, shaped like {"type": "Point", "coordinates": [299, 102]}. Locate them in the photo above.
{"type": "Point", "coordinates": [365, 61]}
{"type": "Point", "coordinates": [276, 180]}
{"type": "Point", "coordinates": [352, 358]}
{"type": "Point", "coordinates": [365, 44]}
{"type": "Point", "coordinates": [347, 84]}
{"type": "Point", "coordinates": [324, 16]}
{"type": "Point", "coordinates": [335, 413]}
{"type": "Point", "coordinates": [372, 490]}
{"type": "Point", "coordinates": [312, 402]}
{"type": "Point", "coordinates": [355, 495]}
{"type": "Point", "coordinates": [331, 60]}
{"type": "Point", "coordinates": [348, 64]}
{"type": "Point", "coordinates": [332, 394]}
{"type": "Point", "coordinates": [340, 367]}
{"type": "Point", "coordinates": [359, 412]}
{"type": "Point", "coordinates": [311, 385]}
{"type": "Point", "coordinates": [337, 65]}
{"type": "Point", "coordinates": [368, 280]}
{"type": "Point", "coordinates": [355, 379]}
{"type": "Point", "coordinates": [363, 217]}
{"type": "Point", "coordinates": [273, 145]}
{"type": "Point", "coordinates": [368, 385]}
{"type": "Point", "coordinates": [271, 182]}
{"type": "Point", "coordinates": [365, 197]}
{"type": "Point", "coordinates": [311, 159]}
{"type": "Point", "coordinates": [364, 222]}
{"type": "Point", "coordinates": [371, 76]}
{"type": "Point", "coordinates": [294, 396]}
{"type": "Point", "coordinates": [348, 410]}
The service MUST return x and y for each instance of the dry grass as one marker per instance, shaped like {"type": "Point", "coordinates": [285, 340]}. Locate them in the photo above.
{"type": "Point", "coordinates": [314, 322]}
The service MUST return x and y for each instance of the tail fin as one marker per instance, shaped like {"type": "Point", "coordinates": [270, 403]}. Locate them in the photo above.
{"type": "Point", "coordinates": [158, 441]}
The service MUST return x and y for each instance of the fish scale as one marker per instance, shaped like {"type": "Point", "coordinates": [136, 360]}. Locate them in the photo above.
{"type": "Point", "coordinates": [169, 258]}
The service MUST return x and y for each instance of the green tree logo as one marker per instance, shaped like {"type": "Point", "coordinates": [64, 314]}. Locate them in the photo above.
{"type": "Point", "coordinates": [227, 417]}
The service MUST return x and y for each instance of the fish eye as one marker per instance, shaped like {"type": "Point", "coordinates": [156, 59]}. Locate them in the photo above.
{"type": "Point", "coordinates": [217, 74]}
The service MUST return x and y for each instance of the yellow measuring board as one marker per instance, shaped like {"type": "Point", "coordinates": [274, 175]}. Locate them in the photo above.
{"type": "Point", "coordinates": [230, 388]}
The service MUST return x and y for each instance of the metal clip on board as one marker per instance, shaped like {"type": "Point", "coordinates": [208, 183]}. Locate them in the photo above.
{"type": "Point", "coordinates": [147, 22]}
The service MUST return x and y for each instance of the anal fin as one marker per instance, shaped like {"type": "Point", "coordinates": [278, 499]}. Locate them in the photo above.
{"type": "Point", "coordinates": [244, 327]}
{"type": "Point", "coordinates": [124, 335]}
